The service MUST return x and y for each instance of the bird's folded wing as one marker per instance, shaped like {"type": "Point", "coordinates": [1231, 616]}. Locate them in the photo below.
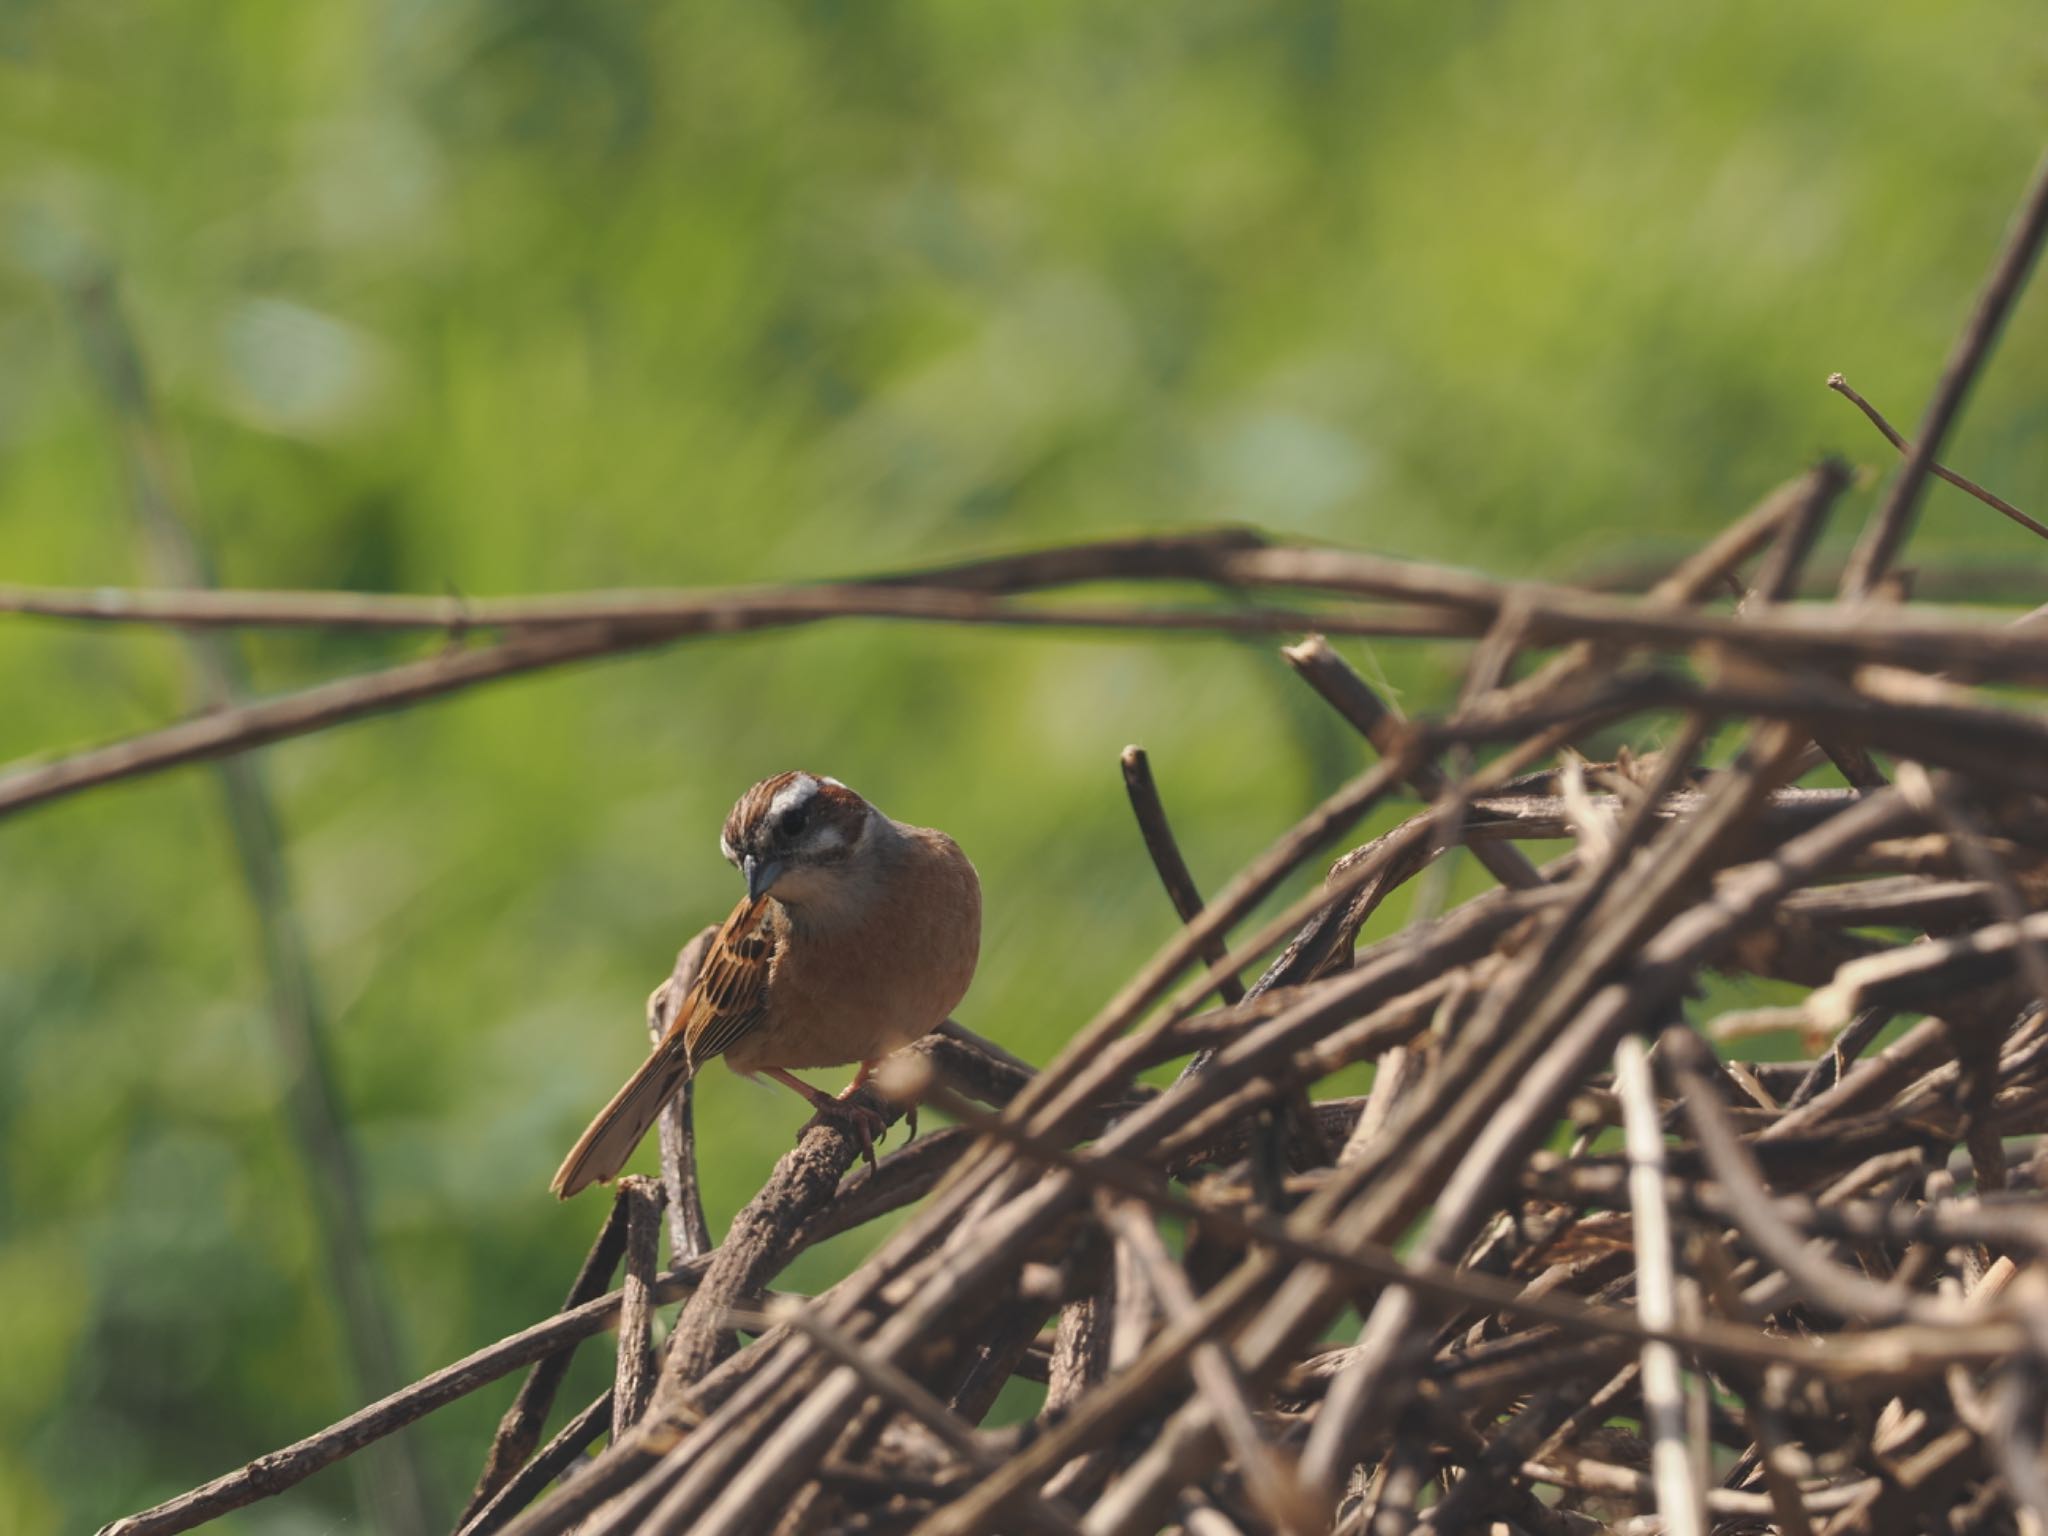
{"type": "Point", "coordinates": [731, 994]}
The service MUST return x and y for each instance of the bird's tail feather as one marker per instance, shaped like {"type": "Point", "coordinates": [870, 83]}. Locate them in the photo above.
{"type": "Point", "coordinates": [601, 1151]}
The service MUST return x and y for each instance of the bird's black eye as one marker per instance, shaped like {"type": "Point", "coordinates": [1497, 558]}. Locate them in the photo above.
{"type": "Point", "coordinates": [791, 822]}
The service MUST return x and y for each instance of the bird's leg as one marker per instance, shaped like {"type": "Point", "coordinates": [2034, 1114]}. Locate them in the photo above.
{"type": "Point", "coordinates": [863, 1122]}
{"type": "Point", "coordinates": [817, 1097]}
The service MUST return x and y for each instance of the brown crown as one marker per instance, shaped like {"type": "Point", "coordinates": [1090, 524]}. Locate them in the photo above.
{"type": "Point", "coordinates": [748, 825]}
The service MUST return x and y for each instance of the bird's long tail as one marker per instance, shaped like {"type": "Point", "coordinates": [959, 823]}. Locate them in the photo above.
{"type": "Point", "coordinates": [601, 1151]}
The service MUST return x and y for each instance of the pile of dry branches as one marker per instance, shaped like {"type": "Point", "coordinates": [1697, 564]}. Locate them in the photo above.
{"type": "Point", "coordinates": [1802, 1238]}
{"type": "Point", "coordinates": [1603, 1275]}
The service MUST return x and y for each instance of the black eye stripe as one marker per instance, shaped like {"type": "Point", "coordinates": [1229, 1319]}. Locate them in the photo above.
{"type": "Point", "coordinates": [792, 820]}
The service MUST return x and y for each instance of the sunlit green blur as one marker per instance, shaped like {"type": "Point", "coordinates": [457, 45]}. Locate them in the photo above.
{"type": "Point", "coordinates": [499, 296]}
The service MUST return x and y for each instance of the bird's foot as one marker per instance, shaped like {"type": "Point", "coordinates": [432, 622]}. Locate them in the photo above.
{"type": "Point", "coordinates": [869, 1070]}
{"type": "Point", "coordinates": [850, 1113]}
{"type": "Point", "coordinates": [858, 1120]}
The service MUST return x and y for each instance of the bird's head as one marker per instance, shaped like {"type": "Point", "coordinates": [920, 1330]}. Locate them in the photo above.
{"type": "Point", "coordinates": [798, 835]}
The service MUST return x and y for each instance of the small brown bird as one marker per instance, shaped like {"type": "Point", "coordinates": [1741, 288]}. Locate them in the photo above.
{"type": "Point", "coordinates": [858, 934]}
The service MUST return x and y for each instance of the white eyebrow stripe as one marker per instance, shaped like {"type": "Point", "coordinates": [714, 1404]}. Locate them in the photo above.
{"type": "Point", "coordinates": [732, 854]}
{"type": "Point", "coordinates": [800, 790]}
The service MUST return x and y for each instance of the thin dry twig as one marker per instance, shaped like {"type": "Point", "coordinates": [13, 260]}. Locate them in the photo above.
{"type": "Point", "coordinates": [1887, 531]}
{"type": "Point", "coordinates": [1436, 603]}
{"type": "Point", "coordinates": [1166, 858]}
{"type": "Point", "coordinates": [551, 1461]}
{"type": "Point", "coordinates": [272, 1474]}
{"type": "Point", "coordinates": [1678, 1496]}
{"type": "Point", "coordinates": [519, 1431]}
{"type": "Point", "coordinates": [1997, 503]}
{"type": "Point", "coordinates": [906, 1393]}
{"type": "Point", "coordinates": [1272, 1483]}
{"type": "Point", "coordinates": [689, 1233]}
{"type": "Point", "coordinates": [634, 1382]}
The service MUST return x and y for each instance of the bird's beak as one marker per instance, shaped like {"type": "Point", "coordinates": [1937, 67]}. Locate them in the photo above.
{"type": "Point", "coordinates": [761, 875]}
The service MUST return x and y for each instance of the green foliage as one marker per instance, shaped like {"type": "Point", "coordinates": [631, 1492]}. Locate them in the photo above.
{"type": "Point", "coordinates": [503, 296]}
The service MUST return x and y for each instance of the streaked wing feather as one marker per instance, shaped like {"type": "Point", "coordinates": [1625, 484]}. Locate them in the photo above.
{"type": "Point", "coordinates": [731, 994]}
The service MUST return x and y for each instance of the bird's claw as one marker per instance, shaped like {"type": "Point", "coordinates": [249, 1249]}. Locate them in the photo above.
{"type": "Point", "coordinates": [858, 1121]}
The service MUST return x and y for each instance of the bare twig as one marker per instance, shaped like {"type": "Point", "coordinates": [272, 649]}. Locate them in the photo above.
{"type": "Point", "coordinates": [689, 1234]}
{"type": "Point", "coordinates": [519, 1431]}
{"type": "Point", "coordinates": [905, 1393]}
{"type": "Point", "coordinates": [1822, 638]}
{"type": "Point", "coordinates": [1843, 387]}
{"type": "Point", "coordinates": [633, 1382]}
{"type": "Point", "coordinates": [548, 1463]}
{"type": "Point", "coordinates": [1380, 723]}
{"type": "Point", "coordinates": [1166, 858]}
{"type": "Point", "coordinates": [279, 1470]}
{"type": "Point", "coordinates": [1365, 1262]}
{"type": "Point", "coordinates": [1678, 1496]}
{"type": "Point", "coordinates": [1271, 1482]}
{"type": "Point", "coordinates": [1888, 529]}
{"type": "Point", "coordinates": [1842, 1290]}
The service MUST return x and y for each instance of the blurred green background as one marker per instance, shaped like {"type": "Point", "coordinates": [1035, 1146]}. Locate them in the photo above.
{"type": "Point", "coordinates": [503, 296]}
